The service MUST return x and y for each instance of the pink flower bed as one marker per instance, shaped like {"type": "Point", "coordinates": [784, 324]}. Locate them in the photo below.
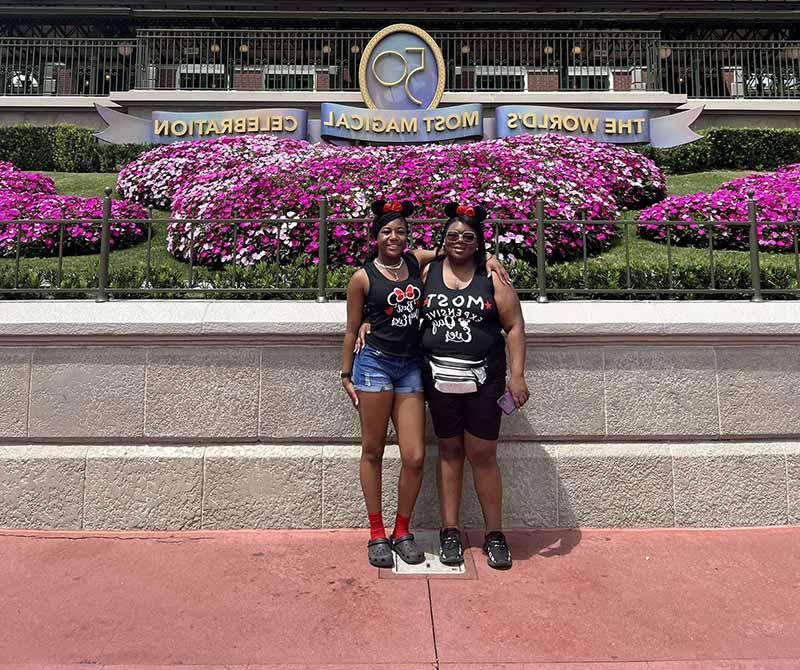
{"type": "Point", "coordinates": [157, 175]}
{"type": "Point", "coordinates": [269, 179]}
{"type": "Point", "coordinates": [777, 197]}
{"type": "Point", "coordinates": [22, 212]}
{"type": "Point", "coordinates": [17, 181]}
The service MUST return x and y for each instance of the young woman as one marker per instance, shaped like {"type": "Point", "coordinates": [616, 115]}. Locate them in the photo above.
{"type": "Point", "coordinates": [464, 313]}
{"type": "Point", "coordinates": [383, 379]}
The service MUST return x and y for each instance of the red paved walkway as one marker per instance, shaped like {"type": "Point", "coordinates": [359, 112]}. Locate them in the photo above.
{"type": "Point", "coordinates": [589, 600]}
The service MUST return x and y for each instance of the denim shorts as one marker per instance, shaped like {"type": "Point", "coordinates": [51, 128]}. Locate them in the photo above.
{"type": "Point", "coordinates": [374, 371]}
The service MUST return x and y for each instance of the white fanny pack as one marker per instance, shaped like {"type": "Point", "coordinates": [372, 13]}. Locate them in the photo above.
{"type": "Point", "coordinates": [457, 375]}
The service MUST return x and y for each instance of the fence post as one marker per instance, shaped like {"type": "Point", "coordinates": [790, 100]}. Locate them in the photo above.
{"type": "Point", "coordinates": [105, 237]}
{"type": "Point", "coordinates": [322, 254]}
{"type": "Point", "coordinates": [755, 267]}
{"type": "Point", "coordinates": [541, 251]}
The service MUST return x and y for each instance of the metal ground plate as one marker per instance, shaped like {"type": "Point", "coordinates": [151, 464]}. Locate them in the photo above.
{"type": "Point", "coordinates": [428, 541]}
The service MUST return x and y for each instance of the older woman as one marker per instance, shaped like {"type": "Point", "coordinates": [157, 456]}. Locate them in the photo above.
{"type": "Point", "coordinates": [464, 313]}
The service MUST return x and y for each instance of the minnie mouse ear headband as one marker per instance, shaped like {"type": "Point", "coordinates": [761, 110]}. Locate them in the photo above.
{"type": "Point", "coordinates": [389, 210]}
{"type": "Point", "coordinates": [453, 210]}
{"type": "Point", "coordinates": [385, 207]}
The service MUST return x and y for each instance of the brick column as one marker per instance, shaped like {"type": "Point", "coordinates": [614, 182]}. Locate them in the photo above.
{"type": "Point", "coordinates": [733, 79]}
{"type": "Point", "coordinates": [543, 81]}
{"type": "Point", "coordinates": [622, 80]}
{"type": "Point", "coordinates": [64, 81]}
{"type": "Point", "coordinates": [248, 80]}
{"type": "Point", "coordinates": [322, 80]}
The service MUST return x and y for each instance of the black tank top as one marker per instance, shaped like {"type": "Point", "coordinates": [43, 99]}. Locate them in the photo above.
{"type": "Point", "coordinates": [392, 308]}
{"type": "Point", "coordinates": [460, 323]}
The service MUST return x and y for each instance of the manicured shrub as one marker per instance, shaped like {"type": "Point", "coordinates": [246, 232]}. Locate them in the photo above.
{"type": "Point", "coordinates": [28, 147]}
{"type": "Point", "coordinates": [114, 157]}
{"type": "Point", "coordinates": [262, 178]}
{"type": "Point", "coordinates": [81, 234]}
{"type": "Point", "coordinates": [16, 181]}
{"type": "Point", "coordinates": [731, 149]}
{"type": "Point", "coordinates": [75, 149]}
{"type": "Point", "coordinates": [731, 272]}
{"type": "Point", "coordinates": [64, 148]}
{"type": "Point", "coordinates": [28, 201]}
{"type": "Point", "coordinates": [754, 148]}
{"type": "Point", "coordinates": [777, 197]}
{"type": "Point", "coordinates": [693, 157]}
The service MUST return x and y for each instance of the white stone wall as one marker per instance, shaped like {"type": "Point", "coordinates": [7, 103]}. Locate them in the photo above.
{"type": "Point", "coordinates": [184, 414]}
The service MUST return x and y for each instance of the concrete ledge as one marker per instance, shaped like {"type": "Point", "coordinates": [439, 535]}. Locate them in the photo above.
{"type": "Point", "coordinates": [54, 102]}
{"type": "Point", "coordinates": [793, 481]}
{"type": "Point", "coordinates": [314, 486]}
{"type": "Point", "coordinates": [742, 105]}
{"type": "Point", "coordinates": [178, 394]}
{"type": "Point", "coordinates": [149, 320]}
{"type": "Point", "coordinates": [153, 98]}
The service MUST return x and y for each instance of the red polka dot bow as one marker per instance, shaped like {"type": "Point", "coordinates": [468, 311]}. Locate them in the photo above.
{"type": "Point", "coordinates": [408, 294]}
{"type": "Point", "coordinates": [392, 207]}
{"type": "Point", "coordinates": [463, 210]}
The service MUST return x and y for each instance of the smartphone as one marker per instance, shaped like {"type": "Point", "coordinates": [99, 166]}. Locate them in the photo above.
{"type": "Point", "coordinates": [506, 402]}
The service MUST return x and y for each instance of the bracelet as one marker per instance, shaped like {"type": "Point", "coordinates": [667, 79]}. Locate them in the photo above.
{"type": "Point", "coordinates": [346, 375]}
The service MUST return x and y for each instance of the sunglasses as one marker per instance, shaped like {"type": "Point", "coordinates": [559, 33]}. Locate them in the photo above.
{"type": "Point", "coordinates": [453, 236]}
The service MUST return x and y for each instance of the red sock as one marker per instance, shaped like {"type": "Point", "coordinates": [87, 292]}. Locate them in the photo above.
{"type": "Point", "coordinates": [376, 528]}
{"type": "Point", "coordinates": [400, 526]}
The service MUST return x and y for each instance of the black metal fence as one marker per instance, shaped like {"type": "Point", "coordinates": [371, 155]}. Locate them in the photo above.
{"type": "Point", "coordinates": [329, 60]}
{"type": "Point", "coordinates": [747, 69]}
{"type": "Point", "coordinates": [63, 67]}
{"type": "Point", "coordinates": [318, 60]}
{"type": "Point", "coordinates": [541, 282]}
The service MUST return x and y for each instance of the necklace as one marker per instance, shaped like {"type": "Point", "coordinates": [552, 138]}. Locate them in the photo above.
{"type": "Point", "coordinates": [392, 268]}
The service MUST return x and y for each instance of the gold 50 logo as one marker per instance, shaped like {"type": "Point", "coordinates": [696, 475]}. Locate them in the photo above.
{"type": "Point", "coordinates": [402, 68]}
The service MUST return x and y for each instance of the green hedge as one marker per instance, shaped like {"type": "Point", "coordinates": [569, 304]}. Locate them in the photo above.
{"type": "Point", "coordinates": [63, 148]}
{"type": "Point", "coordinates": [66, 148]}
{"type": "Point", "coordinates": [28, 147]}
{"type": "Point", "coordinates": [731, 149]}
{"type": "Point", "coordinates": [732, 271]}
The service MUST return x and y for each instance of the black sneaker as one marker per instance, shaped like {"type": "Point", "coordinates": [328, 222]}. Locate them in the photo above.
{"type": "Point", "coordinates": [451, 552]}
{"type": "Point", "coordinates": [496, 549]}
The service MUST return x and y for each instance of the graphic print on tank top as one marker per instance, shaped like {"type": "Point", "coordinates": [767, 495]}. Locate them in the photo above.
{"type": "Point", "coordinates": [462, 322]}
{"type": "Point", "coordinates": [392, 308]}
{"type": "Point", "coordinates": [454, 316]}
{"type": "Point", "coordinates": [403, 306]}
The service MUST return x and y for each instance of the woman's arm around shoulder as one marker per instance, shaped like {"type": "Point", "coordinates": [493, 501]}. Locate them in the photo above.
{"type": "Point", "coordinates": [424, 273]}
{"type": "Point", "coordinates": [497, 269]}
{"type": "Point", "coordinates": [357, 290]}
{"type": "Point", "coordinates": [510, 313]}
{"type": "Point", "coordinates": [426, 256]}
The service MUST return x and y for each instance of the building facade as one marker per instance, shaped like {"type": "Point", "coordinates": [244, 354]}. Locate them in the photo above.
{"type": "Point", "coordinates": [740, 59]}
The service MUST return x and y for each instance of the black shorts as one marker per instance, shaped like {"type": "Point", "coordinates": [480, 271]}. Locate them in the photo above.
{"type": "Point", "coordinates": [477, 413]}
